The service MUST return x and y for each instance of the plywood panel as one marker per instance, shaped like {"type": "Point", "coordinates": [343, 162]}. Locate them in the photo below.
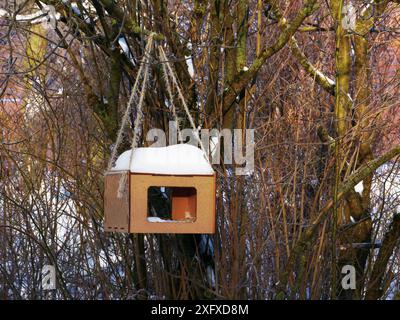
{"type": "Point", "coordinates": [184, 203]}
{"type": "Point", "coordinates": [116, 210]}
{"type": "Point", "coordinates": [205, 204]}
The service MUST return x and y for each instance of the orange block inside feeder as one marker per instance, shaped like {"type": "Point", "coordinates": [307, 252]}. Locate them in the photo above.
{"type": "Point", "coordinates": [166, 190]}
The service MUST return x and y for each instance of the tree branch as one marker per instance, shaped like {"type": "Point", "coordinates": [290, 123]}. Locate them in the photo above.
{"type": "Point", "coordinates": [305, 240]}
{"type": "Point", "coordinates": [130, 26]}
{"type": "Point", "coordinates": [240, 81]}
{"type": "Point", "coordinates": [375, 287]}
{"type": "Point", "coordinates": [327, 83]}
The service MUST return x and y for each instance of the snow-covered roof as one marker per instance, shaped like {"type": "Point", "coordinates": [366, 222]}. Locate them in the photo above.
{"type": "Point", "coordinates": [179, 159]}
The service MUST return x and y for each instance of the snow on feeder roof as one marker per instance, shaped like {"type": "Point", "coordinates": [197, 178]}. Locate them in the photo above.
{"type": "Point", "coordinates": [179, 159]}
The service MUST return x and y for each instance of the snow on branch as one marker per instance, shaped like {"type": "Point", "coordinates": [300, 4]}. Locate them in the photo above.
{"type": "Point", "coordinates": [45, 14]}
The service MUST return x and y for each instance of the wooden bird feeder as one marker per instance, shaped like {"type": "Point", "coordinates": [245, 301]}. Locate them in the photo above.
{"type": "Point", "coordinates": [166, 190]}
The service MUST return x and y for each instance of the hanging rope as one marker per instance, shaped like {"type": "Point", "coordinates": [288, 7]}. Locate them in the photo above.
{"type": "Point", "coordinates": [143, 65]}
{"type": "Point", "coordinates": [139, 115]}
{"type": "Point", "coordinates": [171, 98]}
{"type": "Point", "coordinates": [182, 98]}
{"type": "Point", "coordinates": [138, 121]}
{"type": "Point", "coordinates": [143, 69]}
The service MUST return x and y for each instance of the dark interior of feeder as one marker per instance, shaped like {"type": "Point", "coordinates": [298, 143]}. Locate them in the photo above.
{"type": "Point", "coordinates": [172, 203]}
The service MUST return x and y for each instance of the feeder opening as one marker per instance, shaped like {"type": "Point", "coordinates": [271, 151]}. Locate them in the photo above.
{"type": "Point", "coordinates": [167, 204]}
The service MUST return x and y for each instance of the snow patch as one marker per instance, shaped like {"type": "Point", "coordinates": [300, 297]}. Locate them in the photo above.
{"type": "Point", "coordinates": [178, 159]}
{"type": "Point", "coordinates": [211, 276]}
{"type": "Point", "coordinates": [321, 75]}
{"type": "Point", "coordinates": [349, 17]}
{"type": "Point", "coordinates": [125, 48]}
{"type": "Point", "coordinates": [189, 63]}
{"type": "Point", "coordinates": [157, 219]}
{"type": "Point", "coordinates": [359, 188]}
{"type": "Point", "coordinates": [75, 8]}
{"type": "Point", "coordinates": [40, 16]}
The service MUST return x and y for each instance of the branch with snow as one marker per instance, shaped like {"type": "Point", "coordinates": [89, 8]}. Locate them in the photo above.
{"type": "Point", "coordinates": [327, 83]}
{"type": "Point", "coordinates": [242, 79]}
{"type": "Point", "coordinates": [47, 13]}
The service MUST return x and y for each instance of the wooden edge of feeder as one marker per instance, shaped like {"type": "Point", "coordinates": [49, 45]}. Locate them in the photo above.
{"type": "Point", "coordinates": [176, 227]}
